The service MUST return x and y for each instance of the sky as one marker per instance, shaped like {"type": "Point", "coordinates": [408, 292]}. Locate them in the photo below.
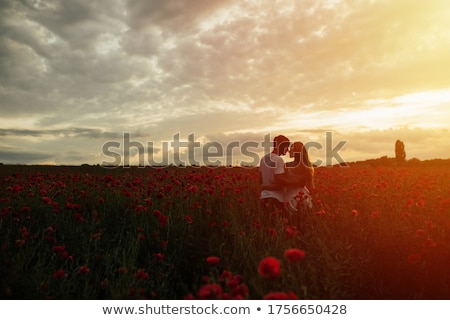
{"type": "Point", "coordinates": [109, 81]}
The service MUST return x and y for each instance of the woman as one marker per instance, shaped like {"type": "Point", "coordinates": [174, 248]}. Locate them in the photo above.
{"type": "Point", "coordinates": [300, 174]}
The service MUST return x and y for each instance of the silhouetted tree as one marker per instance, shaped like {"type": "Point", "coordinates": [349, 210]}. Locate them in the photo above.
{"type": "Point", "coordinates": [400, 153]}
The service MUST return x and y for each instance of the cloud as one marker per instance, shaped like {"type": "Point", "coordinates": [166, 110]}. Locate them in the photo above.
{"type": "Point", "coordinates": [95, 69]}
{"type": "Point", "coordinates": [70, 132]}
{"type": "Point", "coordinates": [175, 15]}
{"type": "Point", "coordinates": [11, 155]}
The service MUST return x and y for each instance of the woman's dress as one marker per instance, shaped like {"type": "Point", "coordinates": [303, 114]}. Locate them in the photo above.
{"type": "Point", "coordinates": [298, 198]}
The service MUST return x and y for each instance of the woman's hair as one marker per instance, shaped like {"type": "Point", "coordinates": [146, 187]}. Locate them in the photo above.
{"type": "Point", "coordinates": [301, 164]}
{"type": "Point", "coordinates": [301, 156]}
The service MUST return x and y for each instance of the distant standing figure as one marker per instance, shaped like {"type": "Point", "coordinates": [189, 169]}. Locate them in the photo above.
{"type": "Point", "coordinates": [400, 153]}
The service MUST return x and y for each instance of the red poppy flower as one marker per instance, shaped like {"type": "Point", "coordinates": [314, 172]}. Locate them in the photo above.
{"type": "Point", "coordinates": [83, 270]}
{"type": "Point", "coordinates": [234, 282]}
{"type": "Point", "coordinates": [49, 230]}
{"type": "Point", "coordinates": [192, 189]}
{"type": "Point", "coordinates": [78, 217]}
{"type": "Point", "coordinates": [280, 296]}
{"type": "Point", "coordinates": [210, 291]}
{"type": "Point", "coordinates": [96, 236]}
{"type": "Point", "coordinates": [25, 209]}
{"type": "Point", "coordinates": [157, 213]}
{"type": "Point", "coordinates": [163, 220]}
{"type": "Point", "coordinates": [429, 243]}
{"type": "Point", "coordinates": [59, 249]}
{"type": "Point", "coordinates": [66, 255]}
{"type": "Point", "coordinates": [291, 231]}
{"type": "Point", "coordinates": [122, 270]}
{"type": "Point", "coordinates": [294, 255]}
{"type": "Point", "coordinates": [413, 258]}
{"type": "Point", "coordinates": [320, 212]}
{"type": "Point", "coordinates": [25, 232]}
{"type": "Point", "coordinates": [20, 242]}
{"type": "Point", "coordinates": [159, 256]}
{"type": "Point", "coordinates": [272, 232]}
{"type": "Point", "coordinates": [213, 261]}
{"type": "Point", "coordinates": [59, 274]}
{"type": "Point", "coordinates": [269, 268]}
{"type": "Point", "coordinates": [239, 292]}
{"type": "Point", "coordinates": [140, 208]}
{"type": "Point", "coordinates": [420, 232]}
{"type": "Point", "coordinates": [141, 274]}
{"type": "Point", "coordinates": [257, 224]}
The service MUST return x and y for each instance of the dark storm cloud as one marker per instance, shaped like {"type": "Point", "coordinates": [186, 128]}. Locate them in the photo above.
{"type": "Point", "coordinates": [23, 157]}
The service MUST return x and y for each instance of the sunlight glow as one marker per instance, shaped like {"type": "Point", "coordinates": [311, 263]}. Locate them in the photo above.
{"type": "Point", "coordinates": [427, 98]}
{"type": "Point", "coordinates": [18, 122]}
{"type": "Point", "coordinates": [429, 109]}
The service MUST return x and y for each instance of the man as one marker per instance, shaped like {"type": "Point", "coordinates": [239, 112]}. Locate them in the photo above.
{"type": "Point", "coordinates": [272, 169]}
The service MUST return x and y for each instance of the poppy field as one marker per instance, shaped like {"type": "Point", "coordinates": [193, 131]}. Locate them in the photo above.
{"type": "Point", "coordinates": [375, 232]}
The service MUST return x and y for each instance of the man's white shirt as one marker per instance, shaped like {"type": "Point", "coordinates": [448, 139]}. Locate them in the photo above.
{"type": "Point", "coordinates": [270, 165]}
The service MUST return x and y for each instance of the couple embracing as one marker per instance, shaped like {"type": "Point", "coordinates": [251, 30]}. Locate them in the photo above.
{"type": "Point", "coordinates": [286, 186]}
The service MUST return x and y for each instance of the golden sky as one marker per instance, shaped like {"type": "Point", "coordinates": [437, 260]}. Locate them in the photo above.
{"type": "Point", "coordinates": [75, 75]}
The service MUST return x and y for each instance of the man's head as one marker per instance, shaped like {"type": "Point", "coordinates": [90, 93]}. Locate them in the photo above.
{"type": "Point", "coordinates": [281, 145]}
